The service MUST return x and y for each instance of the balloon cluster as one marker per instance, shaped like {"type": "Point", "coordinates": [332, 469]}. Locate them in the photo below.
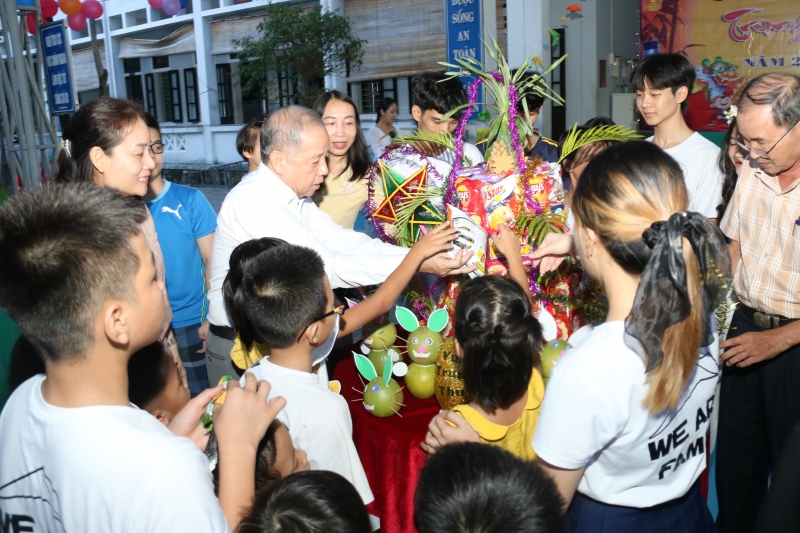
{"type": "Point", "coordinates": [77, 12]}
{"type": "Point", "coordinates": [170, 7]}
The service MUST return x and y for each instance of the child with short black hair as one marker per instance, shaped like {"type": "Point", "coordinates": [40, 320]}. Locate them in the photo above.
{"type": "Point", "coordinates": [78, 278]}
{"type": "Point", "coordinates": [286, 302]}
{"type": "Point", "coordinates": [475, 488]}
{"type": "Point", "coordinates": [537, 145]}
{"type": "Point", "coordinates": [248, 143]}
{"type": "Point", "coordinates": [308, 502]}
{"type": "Point", "coordinates": [663, 84]}
{"type": "Point", "coordinates": [155, 384]}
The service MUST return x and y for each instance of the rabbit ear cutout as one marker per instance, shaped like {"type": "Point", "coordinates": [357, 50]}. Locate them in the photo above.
{"type": "Point", "coordinates": [549, 327]}
{"type": "Point", "coordinates": [580, 334]}
{"type": "Point", "coordinates": [387, 371]}
{"type": "Point", "coordinates": [350, 303]}
{"type": "Point", "coordinates": [406, 318]}
{"type": "Point", "coordinates": [438, 320]}
{"type": "Point", "coordinates": [366, 367]}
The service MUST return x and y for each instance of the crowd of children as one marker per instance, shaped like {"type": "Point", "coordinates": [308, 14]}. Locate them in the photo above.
{"type": "Point", "coordinates": [117, 423]}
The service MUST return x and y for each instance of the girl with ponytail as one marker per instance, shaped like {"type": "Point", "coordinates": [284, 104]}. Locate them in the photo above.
{"type": "Point", "coordinates": [623, 426]}
{"type": "Point", "coordinates": [499, 339]}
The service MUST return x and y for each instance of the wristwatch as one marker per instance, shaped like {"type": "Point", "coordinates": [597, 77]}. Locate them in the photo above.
{"type": "Point", "coordinates": [172, 342]}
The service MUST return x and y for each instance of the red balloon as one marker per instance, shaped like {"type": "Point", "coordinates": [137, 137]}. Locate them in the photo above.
{"type": "Point", "coordinates": [49, 8]}
{"type": "Point", "coordinates": [92, 9]}
{"type": "Point", "coordinates": [70, 7]}
{"type": "Point", "coordinates": [31, 20]}
{"type": "Point", "coordinates": [77, 22]}
{"type": "Point", "coordinates": [155, 4]}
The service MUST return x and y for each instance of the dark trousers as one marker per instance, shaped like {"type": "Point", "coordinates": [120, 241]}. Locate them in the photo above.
{"type": "Point", "coordinates": [759, 406]}
{"type": "Point", "coordinates": [687, 514]}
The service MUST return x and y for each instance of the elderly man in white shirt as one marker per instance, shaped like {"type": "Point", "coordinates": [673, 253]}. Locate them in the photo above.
{"type": "Point", "coordinates": [275, 201]}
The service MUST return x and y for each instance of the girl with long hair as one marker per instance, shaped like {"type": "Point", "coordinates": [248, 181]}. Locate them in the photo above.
{"type": "Point", "coordinates": [381, 134]}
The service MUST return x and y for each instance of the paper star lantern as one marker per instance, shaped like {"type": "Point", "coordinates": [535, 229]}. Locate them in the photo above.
{"type": "Point", "coordinates": [402, 194]}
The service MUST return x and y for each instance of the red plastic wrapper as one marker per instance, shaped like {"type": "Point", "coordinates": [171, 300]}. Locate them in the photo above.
{"type": "Point", "coordinates": [470, 199]}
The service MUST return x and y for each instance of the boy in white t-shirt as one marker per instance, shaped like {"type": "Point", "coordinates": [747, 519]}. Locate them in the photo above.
{"type": "Point", "coordinates": [432, 95]}
{"type": "Point", "coordinates": [79, 280]}
{"type": "Point", "coordinates": [663, 83]}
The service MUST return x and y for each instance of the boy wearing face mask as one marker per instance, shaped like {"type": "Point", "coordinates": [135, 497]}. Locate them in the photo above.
{"type": "Point", "coordinates": [285, 301]}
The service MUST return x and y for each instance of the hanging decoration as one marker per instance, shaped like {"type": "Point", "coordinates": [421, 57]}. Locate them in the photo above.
{"type": "Point", "coordinates": [92, 9]}
{"type": "Point", "coordinates": [77, 22]}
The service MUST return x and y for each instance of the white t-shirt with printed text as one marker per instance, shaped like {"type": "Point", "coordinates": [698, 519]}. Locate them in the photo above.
{"type": "Point", "coordinates": [318, 421]}
{"type": "Point", "coordinates": [99, 469]}
{"type": "Point", "coordinates": [697, 157]}
{"type": "Point", "coordinates": [593, 417]}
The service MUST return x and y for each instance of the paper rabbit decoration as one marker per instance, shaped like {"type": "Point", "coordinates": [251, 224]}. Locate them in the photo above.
{"type": "Point", "coordinates": [382, 396]}
{"type": "Point", "coordinates": [423, 347]}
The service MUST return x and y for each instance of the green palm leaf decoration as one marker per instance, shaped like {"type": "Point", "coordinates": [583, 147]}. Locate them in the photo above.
{"type": "Point", "coordinates": [442, 139]}
{"type": "Point", "coordinates": [497, 91]}
{"type": "Point", "coordinates": [413, 211]}
{"type": "Point", "coordinates": [535, 227]}
{"type": "Point", "coordinates": [577, 138]}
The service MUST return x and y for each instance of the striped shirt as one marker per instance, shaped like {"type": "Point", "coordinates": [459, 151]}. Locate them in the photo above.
{"type": "Point", "coordinates": [762, 218]}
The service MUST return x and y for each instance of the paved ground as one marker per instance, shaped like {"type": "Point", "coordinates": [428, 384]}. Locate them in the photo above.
{"type": "Point", "coordinates": [215, 195]}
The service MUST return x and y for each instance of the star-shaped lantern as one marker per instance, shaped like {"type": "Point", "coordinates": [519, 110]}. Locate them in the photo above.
{"type": "Point", "coordinates": [400, 194]}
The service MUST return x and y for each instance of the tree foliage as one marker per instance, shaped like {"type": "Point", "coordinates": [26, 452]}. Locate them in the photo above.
{"type": "Point", "coordinates": [308, 44]}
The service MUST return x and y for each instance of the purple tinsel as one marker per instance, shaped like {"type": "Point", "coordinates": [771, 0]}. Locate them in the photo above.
{"type": "Point", "coordinates": [513, 130]}
{"type": "Point", "coordinates": [449, 188]}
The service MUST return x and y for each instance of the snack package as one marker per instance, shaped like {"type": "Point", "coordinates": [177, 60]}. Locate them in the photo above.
{"type": "Point", "coordinates": [472, 237]}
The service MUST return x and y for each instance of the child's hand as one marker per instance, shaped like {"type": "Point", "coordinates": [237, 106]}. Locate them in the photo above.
{"type": "Point", "coordinates": [244, 418]}
{"type": "Point", "coordinates": [506, 242]}
{"type": "Point", "coordinates": [437, 240]}
{"type": "Point", "coordinates": [446, 428]}
{"type": "Point", "coordinates": [552, 251]}
{"type": "Point", "coordinates": [187, 422]}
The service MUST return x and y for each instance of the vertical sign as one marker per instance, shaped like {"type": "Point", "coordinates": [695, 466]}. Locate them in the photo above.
{"type": "Point", "coordinates": [58, 67]}
{"type": "Point", "coordinates": [464, 31]}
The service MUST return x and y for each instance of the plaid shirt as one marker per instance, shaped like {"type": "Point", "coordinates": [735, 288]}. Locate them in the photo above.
{"type": "Point", "coordinates": [762, 218]}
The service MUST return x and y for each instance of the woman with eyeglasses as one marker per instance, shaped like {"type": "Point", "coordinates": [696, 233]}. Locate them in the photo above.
{"type": "Point", "coordinates": [185, 222]}
{"type": "Point", "coordinates": [107, 142]}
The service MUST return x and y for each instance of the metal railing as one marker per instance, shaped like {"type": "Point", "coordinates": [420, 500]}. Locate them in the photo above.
{"type": "Point", "coordinates": [202, 175]}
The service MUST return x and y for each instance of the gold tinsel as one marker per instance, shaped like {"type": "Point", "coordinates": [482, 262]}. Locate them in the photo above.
{"type": "Point", "coordinates": [449, 380]}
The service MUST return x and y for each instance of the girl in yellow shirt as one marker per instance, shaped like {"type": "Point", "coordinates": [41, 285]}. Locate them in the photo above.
{"type": "Point", "coordinates": [499, 339]}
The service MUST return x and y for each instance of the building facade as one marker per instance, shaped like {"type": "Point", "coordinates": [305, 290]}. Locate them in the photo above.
{"type": "Point", "coordinates": [184, 69]}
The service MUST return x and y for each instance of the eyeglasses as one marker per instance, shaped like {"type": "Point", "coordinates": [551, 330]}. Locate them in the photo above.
{"type": "Point", "coordinates": [761, 153]}
{"type": "Point", "coordinates": [336, 311]}
{"type": "Point", "coordinates": [157, 147]}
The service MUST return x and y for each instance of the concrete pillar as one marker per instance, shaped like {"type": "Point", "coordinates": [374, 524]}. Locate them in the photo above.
{"type": "Point", "coordinates": [207, 80]}
{"type": "Point", "coordinates": [337, 80]}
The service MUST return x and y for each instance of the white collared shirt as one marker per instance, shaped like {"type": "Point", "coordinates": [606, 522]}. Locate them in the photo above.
{"type": "Point", "coordinates": [261, 205]}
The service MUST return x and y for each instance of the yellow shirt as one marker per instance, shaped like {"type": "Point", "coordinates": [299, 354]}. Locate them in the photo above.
{"type": "Point", "coordinates": [518, 437]}
{"type": "Point", "coordinates": [244, 359]}
{"type": "Point", "coordinates": [343, 198]}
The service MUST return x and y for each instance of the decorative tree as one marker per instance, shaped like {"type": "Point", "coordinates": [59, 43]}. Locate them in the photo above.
{"type": "Point", "coordinates": [307, 43]}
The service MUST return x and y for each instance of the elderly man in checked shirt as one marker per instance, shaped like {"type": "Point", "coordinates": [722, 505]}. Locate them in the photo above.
{"type": "Point", "coordinates": [760, 393]}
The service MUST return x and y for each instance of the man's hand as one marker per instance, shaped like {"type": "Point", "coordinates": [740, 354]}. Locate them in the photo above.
{"type": "Point", "coordinates": [443, 265]}
{"type": "Point", "coordinates": [552, 251]}
{"type": "Point", "coordinates": [446, 428]}
{"type": "Point", "coordinates": [187, 422]}
{"type": "Point", "coordinates": [754, 347]}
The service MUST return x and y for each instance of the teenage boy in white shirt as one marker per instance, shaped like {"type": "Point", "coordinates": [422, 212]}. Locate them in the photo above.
{"type": "Point", "coordinates": [78, 278]}
{"type": "Point", "coordinates": [663, 84]}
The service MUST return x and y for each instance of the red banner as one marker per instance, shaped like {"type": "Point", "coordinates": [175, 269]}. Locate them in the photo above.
{"type": "Point", "coordinates": [728, 41]}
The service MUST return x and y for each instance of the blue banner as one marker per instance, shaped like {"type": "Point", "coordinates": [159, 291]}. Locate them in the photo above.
{"type": "Point", "coordinates": [464, 32]}
{"type": "Point", "coordinates": [58, 68]}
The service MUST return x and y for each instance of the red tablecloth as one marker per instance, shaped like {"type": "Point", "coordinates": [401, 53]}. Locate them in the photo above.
{"type": "Point", "coordinates": [389, 449]}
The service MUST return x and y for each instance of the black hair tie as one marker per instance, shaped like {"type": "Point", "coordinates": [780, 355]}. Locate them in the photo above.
{"type": "Point", "coordinates": [662, 298]}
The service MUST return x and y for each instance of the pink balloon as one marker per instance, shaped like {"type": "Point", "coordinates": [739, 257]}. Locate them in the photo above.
{"type": "Point", "coordinates": [171, 7]}
{"type": "Point", "coordinates": [31, 20]}
{"type": "Point", "coordinates": [92, 9]}
{"type": "Point", "coordinates": [155, 4]}
{"type": "Point", "coordinates": [77, 22]}
{"type": "Point", "coordinates": [49, 8]}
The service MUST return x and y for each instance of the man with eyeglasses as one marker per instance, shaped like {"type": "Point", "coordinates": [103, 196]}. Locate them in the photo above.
{"type": "Point", "coordinates": [760, 392]}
